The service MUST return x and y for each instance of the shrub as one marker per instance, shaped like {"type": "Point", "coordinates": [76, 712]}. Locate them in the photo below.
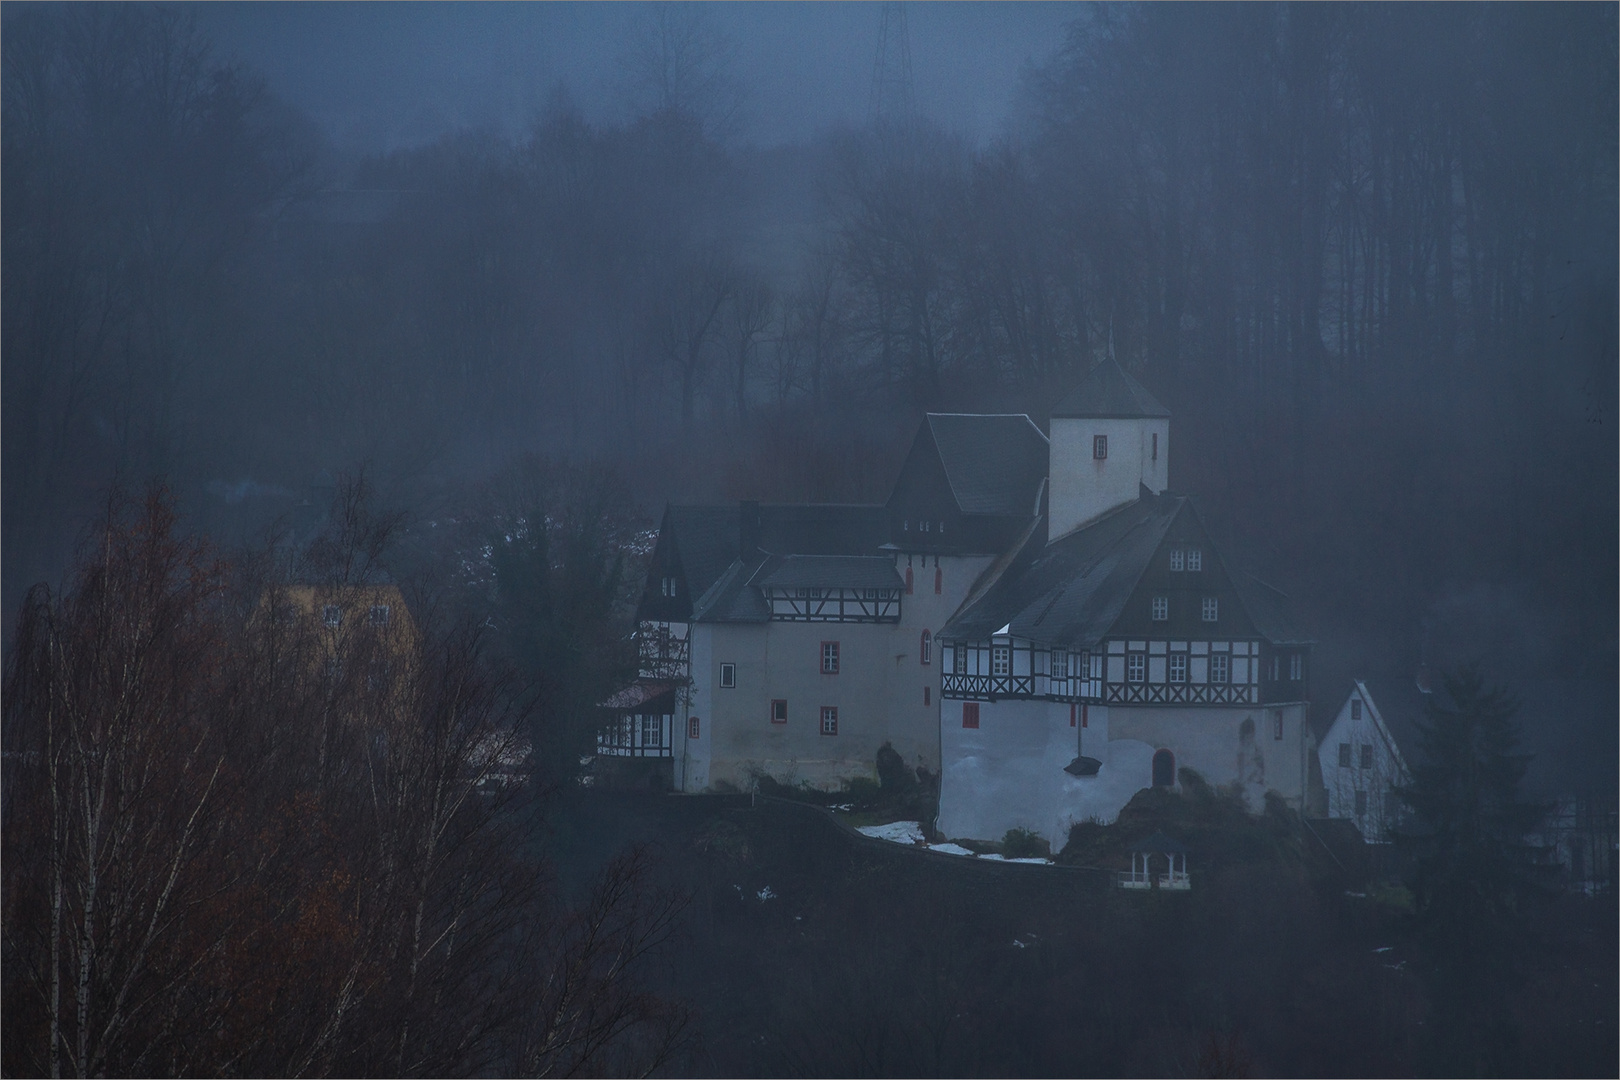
{"type": "Point", "coordinates": [1023, 844]}
{"type": "Point", "coordinates": [893, 775]}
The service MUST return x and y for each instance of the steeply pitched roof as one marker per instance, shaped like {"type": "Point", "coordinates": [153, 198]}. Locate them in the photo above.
{"type": "Point", "coordinates": [1268, 609]}
{"type": "Point", "coordinates": [994, 462]}
{"type": "Point", "coordinates": [706, 538]}
{"type": "Point", "coordinates": [840, 539]}
{"type": "Point", "coordinates": [1073, 590]}
{"type": "Point", "coordinates": [1109, 392]}
{"type": "Point", "coordinates": [830, 571]}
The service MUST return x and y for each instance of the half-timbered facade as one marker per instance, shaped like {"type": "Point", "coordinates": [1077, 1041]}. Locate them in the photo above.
{"type": "Point", "coordinates": [1105, 658]}
{"type": "Point", "coordinates": [1038, 618]}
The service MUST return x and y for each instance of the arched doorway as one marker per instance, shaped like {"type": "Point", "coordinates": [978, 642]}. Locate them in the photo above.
{"type": "Point", "coordinates": [1164, 769]}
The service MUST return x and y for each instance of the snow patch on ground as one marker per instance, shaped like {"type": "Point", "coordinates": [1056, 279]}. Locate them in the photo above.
{"type": "Point", "coordinates": [910, 832]}
{"type": "Point", "coordinates": [899, 832]}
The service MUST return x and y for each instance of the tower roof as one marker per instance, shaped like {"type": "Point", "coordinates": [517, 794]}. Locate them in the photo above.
{"type": "Point", "coordinates": [1109, 392]}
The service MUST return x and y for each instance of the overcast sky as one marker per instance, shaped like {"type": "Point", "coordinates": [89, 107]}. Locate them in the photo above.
{"type": "Point", "coordinates": [378, 75]}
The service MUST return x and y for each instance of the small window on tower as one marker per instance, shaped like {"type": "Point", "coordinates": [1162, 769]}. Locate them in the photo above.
{"type": "Point", "coordinates": [926, 651]}
{"type": "Point", "coordinates": [829, 720]}
{"type": "Point", "coordinates": [728, 676]}
{"type": "Point", "coordinates": [1161, 608]}
{"type": "Point", "coordinates": [1099, 447]}
{"type": "Point", "coordinates": [928, 696]}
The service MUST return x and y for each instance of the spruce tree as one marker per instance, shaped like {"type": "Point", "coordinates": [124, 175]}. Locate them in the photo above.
{"type": "Point", "coordinates": [1472, 869]}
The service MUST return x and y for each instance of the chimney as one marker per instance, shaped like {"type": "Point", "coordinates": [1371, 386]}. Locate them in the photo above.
{"type": "Point", "coordinates": [747, 529]}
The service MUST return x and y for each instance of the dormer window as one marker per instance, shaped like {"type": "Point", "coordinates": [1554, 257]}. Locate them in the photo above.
{"type": "Point", "coordinates": [1099, 447]}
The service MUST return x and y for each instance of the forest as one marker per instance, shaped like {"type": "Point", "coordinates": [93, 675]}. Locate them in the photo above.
{"type": "Point", "coordinates": [1365, 254]}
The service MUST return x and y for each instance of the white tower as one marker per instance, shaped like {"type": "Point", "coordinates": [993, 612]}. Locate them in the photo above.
{"type": "Point", "coordinates": [1109, 438]}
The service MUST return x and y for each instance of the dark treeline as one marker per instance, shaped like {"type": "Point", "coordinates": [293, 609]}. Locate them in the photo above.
{"type": "Point", "coordinates": [1365, 254]}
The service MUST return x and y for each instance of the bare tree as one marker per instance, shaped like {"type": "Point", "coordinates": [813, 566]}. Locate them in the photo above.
{"type": "Point", "coordinates": [752, 309]}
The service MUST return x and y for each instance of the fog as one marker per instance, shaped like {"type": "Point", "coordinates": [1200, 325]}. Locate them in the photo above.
{"type": "Point", "coordinates": [501, 257]}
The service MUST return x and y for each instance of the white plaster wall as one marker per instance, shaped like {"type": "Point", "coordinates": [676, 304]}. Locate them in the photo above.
{"type": "Point", "coordinates": [1008, 773]}
{"type": "Point", "coordinates": [1083, 488]}
{"type": "Point", "coordinates": [1343, 783]}
{"type": "Point", "coordinates": [692, 755]}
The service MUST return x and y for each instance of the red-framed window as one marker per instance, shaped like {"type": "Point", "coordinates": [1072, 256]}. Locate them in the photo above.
{"type": "Point", "coordinates": [1099, 447]}
{"type": "Point", "coordinates": [693, 727]}
{"type": "Point", "coordinates": [829, 657]}
{"type": "Point", "coordinates": [908, 581]}
{"type": "Point", "coordinates": [778, 710]}
{"type": "Point", "coordinates": [970, 714]}
{"type": "Point", "coordinates": [925, 651]}
{"type": "Point", "coordinates": [939, 580]}
{"type": "Point", "coordinates": [829, 719]}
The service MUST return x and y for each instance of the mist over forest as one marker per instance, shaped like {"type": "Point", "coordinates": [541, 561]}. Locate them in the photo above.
{"type": "Point", "coordinates": [1365, 254]}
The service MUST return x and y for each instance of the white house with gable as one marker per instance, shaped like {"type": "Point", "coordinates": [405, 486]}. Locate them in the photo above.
{"type": "Point", "coordinates": [1362, 763]}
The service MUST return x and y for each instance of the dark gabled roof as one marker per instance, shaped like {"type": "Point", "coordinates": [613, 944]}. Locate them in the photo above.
{"type": "Point", "coordinates": [830, 571]}
{"type": "Point", "coordinates": [821, 528]}
{"type": "Point", "coordinates": [1073, 590]}
{"type": "Point", "coordinates": [1401, 706]}
{"type": "Point", "coordinates": [706, 539]}
{"type": "Point", "coordinates": [994, 463]}
{"type": "Point", "coordinates": [639, 693]}
{"type": "Point", "coordinates": [1109, 392]}
{"type": "Point", "coordinates": [1268, 609]}
{"type": "Point", "coordinates": [724, 583]}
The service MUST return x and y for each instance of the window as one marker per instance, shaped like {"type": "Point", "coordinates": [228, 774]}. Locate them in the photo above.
{"type": "Point", "coordinates": [1000, 660]}
{"type": "Point", "coordinates": [693, 726]}
{"type": "Point", "coordinates": [332, 615]}
{"type": "Point", "coordinates": [1195, 560]}
{"type": "Point", "coordinates": [1220, 668]}
{"type": "Point", "coordinates": [1296, 667]}
{"type": "Point", "coordinates": [379, 615]}
{"type": "Point", "coordinates": [652, 730]}
{"type": "Point", "coordinates": [923, 525]}
{"type": "Point", "coordinates": [1099, 447]}
{"type": "Point", "coordinates": [778, 711]}
{"type": "Point", "coordinates": [728, 676]}
{"type": "Point", "coordinates": [668, 586]}
{"type": "Point", "coordinates": [928, 696]}
{"type": "Point", "coordinates": [926, 650]}
{"type": "Point", "coordinates": [1344, 755]}
{"type": "Point", "coordinates": [908, 581]}
{"type": "Point", "coordinates": [959, 659]}
{"type": "Point", "coordinates": [829, 720]}
{"type": "Point", "coordinates": [1212, 609]}
{"type": "Point", "coordinates": [1366, 756]}
{"type": "Point", "coordinates": [1161, 608]}
{"type": "Point", "coordinates": [970, 714]}
{"type": "Point", "coordinates": [1361, 803]}
{"type": "Point", "coordinates": [1060, 664]}
{"type": "Point", "coordinates": [1277, 724]}
{"type": "Point", "coordinates": [1178, 667]}
{"type": "Point", "coordinates": [1178, 559]}
{"type": "Point", "coordinates": [939, 576]}
{"type": "Point", "coordinates": [1155, 446]}
{"type": "Point", "coordinates": [829, 657]}
{"type": "Point", "coordinates": [1273, 667]}
{"type": "Point", "coordinates": [1135, 667]}
{"type": "Point", "coordinates": [1355, 708]}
